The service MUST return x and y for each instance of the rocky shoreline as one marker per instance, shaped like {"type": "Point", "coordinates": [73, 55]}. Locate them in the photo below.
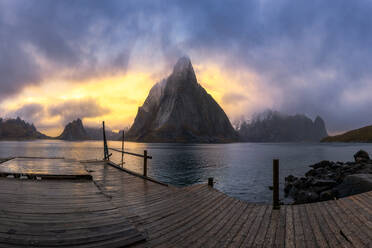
{"type": "Point", "coordinates": [329, 180]}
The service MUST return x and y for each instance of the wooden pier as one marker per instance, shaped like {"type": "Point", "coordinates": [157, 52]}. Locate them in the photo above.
{"type": "Point", "coordinates": [114, 208]}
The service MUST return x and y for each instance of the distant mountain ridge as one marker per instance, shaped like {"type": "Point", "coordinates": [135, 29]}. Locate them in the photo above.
{"type": "Point", "coordinates": [363, 134]}
{"type": "Point", "coordinates": [179, 109]}
{"type": "Point", "coordinates": [75, 131]}
{"type": "Point", "coordinates": [272, 126]}
{"type": "Point", "coordinates": [18, 129]}
{"type": "Point", "coordinates": [97, 134]}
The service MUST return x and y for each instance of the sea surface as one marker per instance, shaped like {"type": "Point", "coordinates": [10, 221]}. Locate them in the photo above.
{"type": "Point", "coordinates": [242, 170]}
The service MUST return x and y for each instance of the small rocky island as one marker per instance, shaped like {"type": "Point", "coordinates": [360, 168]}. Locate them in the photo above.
{"type": "Point", "coordinates": [329, 180]}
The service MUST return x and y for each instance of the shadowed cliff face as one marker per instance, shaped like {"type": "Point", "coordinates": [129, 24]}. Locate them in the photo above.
{"type": "Point", "coordinates": [178, 109]}
{"type": "Point", "coordinates": [275, 127]}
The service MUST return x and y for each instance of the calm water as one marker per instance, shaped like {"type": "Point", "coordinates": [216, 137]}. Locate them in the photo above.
{"type": "Point", "coordinates": [242, 170]}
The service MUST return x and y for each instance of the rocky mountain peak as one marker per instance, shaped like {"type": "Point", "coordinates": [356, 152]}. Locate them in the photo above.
{"type": "Point", "coordinates": [178, 109]}
{"type": "Point", "coordinates": [18, 129]}
{"type": "Point", "coordinates": [183, 71]}
{"type": "Point", "coordinates": [74, 131]}
{"type": "Point", "coordinates": [319, 121]}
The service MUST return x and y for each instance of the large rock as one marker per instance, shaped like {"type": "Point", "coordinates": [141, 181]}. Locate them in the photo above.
{"type": "Point", "coordinates": [361, 156]}
{"type": "Point", "coordinates": [74, 131]}
{"type": "Point", "coordinates": [179, 109]}
{"type": "Point", "coordinates": [328, 180]}
{"type": "Point", "coordinates": [355, 184]}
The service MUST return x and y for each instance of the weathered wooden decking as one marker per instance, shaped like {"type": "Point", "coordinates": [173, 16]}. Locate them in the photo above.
{"type": "Point", "coordinates": [116, 209]}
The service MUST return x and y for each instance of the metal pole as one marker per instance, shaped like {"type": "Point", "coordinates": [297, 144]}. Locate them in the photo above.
{"type": "Point", "coordinates": [276, 204]}
{"type": "Point", "coordinates": [122, 149]}
{"type": "Point", "coordinates": [145, 163]}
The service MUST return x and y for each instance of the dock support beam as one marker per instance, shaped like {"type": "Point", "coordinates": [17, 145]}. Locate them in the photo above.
{"type": "Point", "coordinates": [210, 182]}
{"type": "Point", "coordinates": [122, 149]}
{"type": "Point", "coordinates": [276, 204]}
{"type": "Point", "coordinates": [105, 148]}
{"type": "Point", "coordinates": [145, 163]}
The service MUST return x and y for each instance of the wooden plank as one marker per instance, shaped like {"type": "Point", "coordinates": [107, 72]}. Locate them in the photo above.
{"type": "Point", "coordinates": [185, 226]}
{"type": "Point", "coordinates": [280, 229]}
{"type": "Point", "coordinates": [299, 232]}
{"type": "Point", "coordinates": [359, 226]}
{"type": "Point", "coordinates": [247, 224]}
{"type": "Point", "coordinates": [343, 224]}
{"type": "Point", "coordinates": [273, 226]}
{"type": "Point", "coordinates": [310, 239]}
{"type": "Point", "coordinates": [332, 227]}
{"type": "Point", "coordinates": [264, 228]}
{"type": "Point", "coordinates": [240, 220]}
{"type": "Point", "coordinates": [219, 226]}
{"type": "Point", "coordinates": [251, 235]}
{"type": "Point", "coordinates": [319, 236]}
{"type": "Point", "coordinates": [290, 231]}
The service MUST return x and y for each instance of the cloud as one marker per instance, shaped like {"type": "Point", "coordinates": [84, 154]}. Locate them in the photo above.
{"type": "Point", "coordinates": [30, 112]}
{"type": "Point", "coordinates": [311, 52]}
{"type": "Point", "coordinates": [73, 109]}
{"type": "Point", "coordinates": [233, 98]}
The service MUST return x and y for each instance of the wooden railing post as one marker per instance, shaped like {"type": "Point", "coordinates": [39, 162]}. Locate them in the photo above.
{"type": "Point", "coordinates": [105, 148]}
{"type": "Point", "coordinates": [122, 149]}
{"type": "Point", "coordinates": [276, 204]}
{"type": "Point", "coordinates": [210, 182]}
{"type": "Point", "coordinates": [145, 163]}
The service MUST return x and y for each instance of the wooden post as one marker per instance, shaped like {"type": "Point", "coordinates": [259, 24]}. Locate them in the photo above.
{"type": "Point", "coordinates": [210, 181]}
{"type": "Point", "coordinates": [122, 149]}
{"type": "Point", "coordinates": [145, 163]}
{"type": "Point", "coordinates": [276, 184]}
{"type": "Point", "coordinates": [105, 148]}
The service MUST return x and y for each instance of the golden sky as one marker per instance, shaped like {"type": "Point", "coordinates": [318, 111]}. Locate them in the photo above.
{"type": "Point", "coordinates": [118, 96]}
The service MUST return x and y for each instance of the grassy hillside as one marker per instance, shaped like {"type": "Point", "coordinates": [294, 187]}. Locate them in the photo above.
{"type": "Point", "coordinates": [363, 134]}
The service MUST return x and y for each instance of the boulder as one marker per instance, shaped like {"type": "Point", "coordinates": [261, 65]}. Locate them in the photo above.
{"type": "Point", "coordinates": [327, 195]}
{"type": "Point", "coordinates": [323, 182]}
{"type": "Point", "coordinates": [355, 184]}
{"type": "Point", "coordinates": [321, 164]}
{"type": "Point", "coordinates": [304, 196]}
{"type": "Point", "coordinates": [361, 156]}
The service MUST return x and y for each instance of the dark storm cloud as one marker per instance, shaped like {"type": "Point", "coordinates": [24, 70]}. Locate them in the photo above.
{"type": "Point", "coordinates": [73, 109]}
{"type": "Point", "coordinates": [313, 52]}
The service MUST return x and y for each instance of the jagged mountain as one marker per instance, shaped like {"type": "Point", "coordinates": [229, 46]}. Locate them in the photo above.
{"type": "Point", "coordinates": [272, 126]}
{"type": "Point", "coordinates": [74, 131]}
{"type": "Point", "coordinates": [179, 109]}
{"type": "Point", "coordinates": [363, 134]}
{"type": "Point", "coordinates": [17, 129]}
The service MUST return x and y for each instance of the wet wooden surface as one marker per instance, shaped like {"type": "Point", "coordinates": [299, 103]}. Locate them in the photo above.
{"type": "Point", "coordinates": [194, 216]}
{"type": "Point", "coordinates": [63, 213]}
{"type": "Point", "coordinates": [43, 168]}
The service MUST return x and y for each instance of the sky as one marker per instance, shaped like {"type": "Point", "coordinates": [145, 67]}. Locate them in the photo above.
{"type": "Point", "coordinates": [97, 60]}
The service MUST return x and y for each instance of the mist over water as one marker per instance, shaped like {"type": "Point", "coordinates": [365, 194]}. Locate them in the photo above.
{"type": "Point", "coordinates": [242, 170]}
